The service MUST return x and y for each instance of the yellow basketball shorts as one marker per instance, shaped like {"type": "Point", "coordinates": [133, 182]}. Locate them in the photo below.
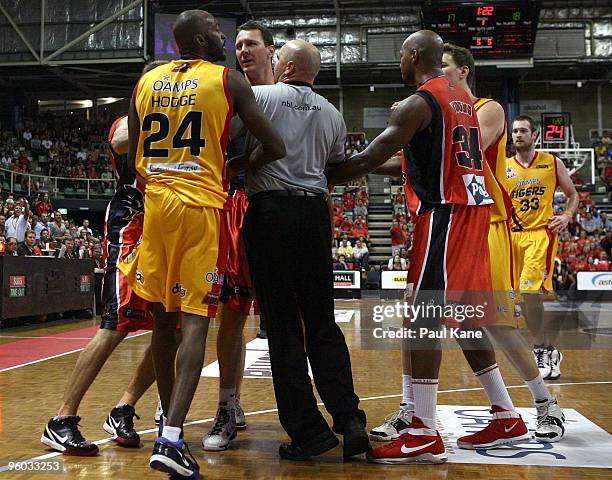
{"type": "Point", "coordinates": [500, 251]}
{"type": "Point", "coordinates": [534, 254]}
{"type": "Point", "coordinates": [183, 254]}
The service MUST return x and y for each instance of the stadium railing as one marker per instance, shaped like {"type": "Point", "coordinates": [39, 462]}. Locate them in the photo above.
{"type": "Point", "coordinates": [57, 187]}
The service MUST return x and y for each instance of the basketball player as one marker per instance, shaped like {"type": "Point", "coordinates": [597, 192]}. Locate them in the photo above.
{"type": "Point", "coordinates": [458, 66]}
{"type": "Point", "coordinates": [178, 129]}
{"type": "Point", "coordinates": [532, 178]}
{"type": "Point", "coordinates": [254, 51]}
{"type": "Point", "coordinates": [451, 219]}
{"type": "Point", "coordinates": [123, 312]}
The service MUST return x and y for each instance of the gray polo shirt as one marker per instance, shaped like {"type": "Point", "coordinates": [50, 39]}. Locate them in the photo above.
{"type": "Point", "coordinates": [313, 132]}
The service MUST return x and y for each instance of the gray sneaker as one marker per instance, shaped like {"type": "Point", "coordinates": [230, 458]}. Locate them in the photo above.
{"type": "Point", "coordinates": [555, 359]}
{"type": "Point", "coordinates": [551, 421]}
{"type": "Point", "coordinates": [240, 418]}
{"type": "Point", "coordinates": [223, 430]}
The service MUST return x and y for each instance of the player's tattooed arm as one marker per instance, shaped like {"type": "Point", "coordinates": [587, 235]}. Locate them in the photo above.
{"type": "Point", "coordinates": [409, 117]}
{"type": "Point", "coordinates": [133, 133]}
{"type": "Point", "coordinates": [119, 142]}
{"type": "Point", "coordinates": [558, 223]}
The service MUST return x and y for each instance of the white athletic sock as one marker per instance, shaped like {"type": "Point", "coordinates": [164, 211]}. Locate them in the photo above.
{"type": "Point", "coordinates": [407, 394]}
{"type": "Point", "coordinates": [539, 390]}
{"type": "Point", "coordinates": [495, 388]}
{"type": "Point", "coordinates": [425, 399]}
{"type": "Point", "coordinates": [171, 433]}
{"type": "Point", "coordinates": [227, 395]}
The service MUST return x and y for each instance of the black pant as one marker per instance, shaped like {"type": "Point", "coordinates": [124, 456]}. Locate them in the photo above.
{"type": "Point", "coordinates": [288, 243]}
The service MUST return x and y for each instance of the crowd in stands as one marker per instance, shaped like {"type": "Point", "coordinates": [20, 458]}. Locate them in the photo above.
{"type": "Point", "coordinates": [351, 235]}
{"type": "Point", "coordinates": [585, 246]}
{"type": "Point", "coordinates": [401, 234]}
{"type": "Point", "coordinates": [603, 156]}
{"type": "Point", "coordinates": [58, 146]}
{"type": "Point", "coordinates": [36, 230]}
{"type": "Point", "coordinates": [350, 217]}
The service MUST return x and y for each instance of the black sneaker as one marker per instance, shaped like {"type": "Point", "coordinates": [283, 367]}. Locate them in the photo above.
{"type": "Point", "coordinates": [120, 424]}
{"type": "Point", "coordinates": [169, 457]}
{"type": "Point", "coordinates": [62, 434]}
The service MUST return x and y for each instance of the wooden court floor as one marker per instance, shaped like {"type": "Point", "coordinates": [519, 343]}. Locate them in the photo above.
{"type": "Point", "coordinates": [29, 395]}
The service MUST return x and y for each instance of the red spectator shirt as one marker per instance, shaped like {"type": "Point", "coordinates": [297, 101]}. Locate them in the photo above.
{"type": "Point", "coordinates": [603, 266]}
{"type": "Point", "coordinates": [346, 226]}
{"type": "Point", "coordinates": [582, 266]}
{"type": "Point", "coordinates": [581, 242]}
{"type": "Point", "coordinates": [359, 232]}
{"type": "Point", "coordinates": [397, 236]}
{"type": "Point", "coordinates": [43, 207]}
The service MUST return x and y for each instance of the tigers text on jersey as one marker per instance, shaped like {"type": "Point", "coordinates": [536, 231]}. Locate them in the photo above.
{"type": "Point", "coordinates": [444, 162]}
{"type": "Point", "coordinates": [495, 169]}
{"type": "Point", "coordinates": [184, 108]}
{"type": "Point", "coordinates": [532, 191]}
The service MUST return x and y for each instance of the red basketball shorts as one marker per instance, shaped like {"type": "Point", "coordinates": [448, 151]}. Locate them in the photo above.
{"type": "Point", "coordinates": [237, 292]}
{"type": "Point", "coordinates": [450, 267]}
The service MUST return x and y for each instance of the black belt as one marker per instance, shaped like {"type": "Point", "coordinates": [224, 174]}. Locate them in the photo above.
{"type": "Point", "coordinates": [286, 193]}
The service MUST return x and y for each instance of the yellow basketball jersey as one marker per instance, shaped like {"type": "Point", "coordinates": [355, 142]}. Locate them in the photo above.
{"type": "Point", "coordinates": [184, 109]}
{"type": "Point", "coordinates": [495, 169]}
{"type": "Point", "coordinates": [532, 191]}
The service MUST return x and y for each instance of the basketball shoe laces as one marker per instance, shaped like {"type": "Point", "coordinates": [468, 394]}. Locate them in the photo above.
{"type": "Point", "coordinates": [189, 456]}
{"type": "Point", "coordinates": [543, 417]}
{"type": "Point", "coordinates": [540, 358]}
{"type": "Point", "coordinates": [73, 424]}
{"type": "Point", "coordinates": [129, 419]}
{"type": "Point", "coordinates": [223, 417]}
{"type": "Point", "coordinates": [394, 417]}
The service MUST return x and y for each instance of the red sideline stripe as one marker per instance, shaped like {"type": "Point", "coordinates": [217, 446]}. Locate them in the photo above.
{"type": "Point", "coordinates": [30, 350]}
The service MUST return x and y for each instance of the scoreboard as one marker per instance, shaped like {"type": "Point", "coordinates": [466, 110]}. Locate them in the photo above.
{"type": "Point", "coordinates": [491, 30]}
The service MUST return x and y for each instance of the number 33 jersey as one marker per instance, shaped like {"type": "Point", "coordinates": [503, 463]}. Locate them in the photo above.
{"type": "Point", "coordinates": [532, 191]}
{"type": "Point", "coordinates": [444, 163]}
{"type": "Point", "coordinates": [184, 110]}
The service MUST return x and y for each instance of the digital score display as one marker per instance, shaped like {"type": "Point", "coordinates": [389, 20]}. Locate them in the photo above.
{"type": "Point", "coordinates": [496, 29]}
{"type": "Point", "coordinates": [556, 127]}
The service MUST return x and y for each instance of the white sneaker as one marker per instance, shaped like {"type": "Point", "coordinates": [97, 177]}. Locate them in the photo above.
{"type": "Point", "coordinates": [158, 411]}
{"type": "Point", "coordinates": [556, 357]}
{"type": "Point", "coordinates": [550, 421]}
{"type": "Point", "coordinates": [240, 418]}
{"type": "Point", "coordinates": [394, 426]}
{"type": "Point", "coordinates": [223, 429]}
{"type": "Point", "coordinates": [542, 358]}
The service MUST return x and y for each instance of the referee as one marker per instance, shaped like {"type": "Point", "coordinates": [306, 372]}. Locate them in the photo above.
{"type": "Point", "coordinates": [288, 241]}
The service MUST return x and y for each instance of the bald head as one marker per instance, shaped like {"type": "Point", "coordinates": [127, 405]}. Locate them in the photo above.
{"type": "Point", "coordinates": [429, 46]}
{"type": "Point", "coordinates": [197, 34]}
{"type": "Point", "coordinates": [421, 55]}
{"type": "Point", "coordinates": [298, 60]}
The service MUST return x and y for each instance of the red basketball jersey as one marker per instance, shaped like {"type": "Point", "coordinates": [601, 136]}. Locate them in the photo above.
{"type": "Point", "coordinates": [443, 164]}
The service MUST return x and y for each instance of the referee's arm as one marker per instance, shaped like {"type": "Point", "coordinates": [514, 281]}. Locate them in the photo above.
{"type": "Point", "coordinates": [271, 146]}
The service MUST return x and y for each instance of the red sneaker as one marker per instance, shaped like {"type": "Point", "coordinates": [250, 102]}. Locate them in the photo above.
{"type": "Point", "coordinates": [419, 445]}
{"type": "Point", "coordinates": [505, 428]}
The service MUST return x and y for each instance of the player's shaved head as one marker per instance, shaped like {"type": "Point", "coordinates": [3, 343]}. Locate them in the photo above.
{"type": "Point", "coordinates": [421, 54]}
{"type": "Point", "coordinates": [195, 33]}
{"type": "Point", "coordinates": [298, 60]}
